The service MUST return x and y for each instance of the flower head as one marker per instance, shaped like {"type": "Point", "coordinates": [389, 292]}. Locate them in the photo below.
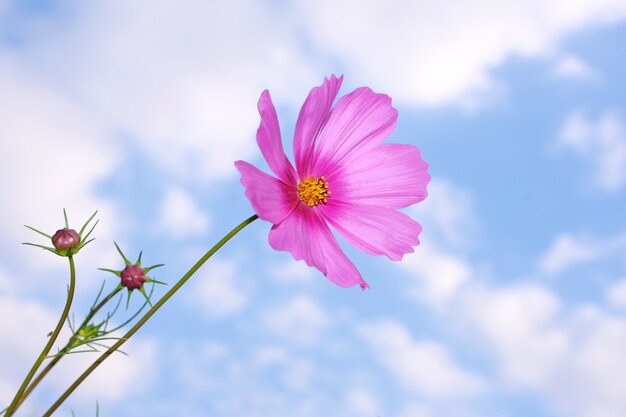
{"type": "Point", "coordinates": [133, 276]}
{"type": "Point", "coordinates": [66, 241]}
{"type": "Point", "coordinates": [344, 177]}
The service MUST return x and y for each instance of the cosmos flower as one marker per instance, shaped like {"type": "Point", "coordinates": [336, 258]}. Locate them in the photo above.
{"type": "Point", "coordinates": [344, 177]}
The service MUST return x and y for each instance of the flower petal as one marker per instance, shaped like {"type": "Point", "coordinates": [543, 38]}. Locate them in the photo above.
{"type": "Point", "coordinates": [374, 230]}
{"type": "Point", "coordinates": [313, 115]}
{"type": "Point", "coordinates": [307, 236]}
{"type": "Point", "coordinates": [269, 141]}
{"type": "Point", "coordinates": [391, 175]}
{"type": "Point", "coordinates": [357, 123]}
{"type": "Point", "coordinates": [271, 199]}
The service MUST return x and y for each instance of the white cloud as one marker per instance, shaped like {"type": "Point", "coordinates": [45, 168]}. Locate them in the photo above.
{"type": "Point", "coordinates": [572, 66]}
{"type": "Point", "coordinates": [123, 376]}
{"type": "Point", "coordinates": [447, 213]}
{"type": "Point", "coordinates": [424, 367]}
{"type": "Point", "coordinates": [449, 221]}
{"type": "Point", "coordinates": [180, 216]}
{"type": "Point", "coordinates": [269, 380]}
{"type": "Point", "coordinates": [52, 154]}
{"type": "Point", "coordinates": [416, 409]}
{"type": "Point", "coordinates": [266, 356]}
{"type": "Point", "coordinates": [5, 283]}
{"type": "Point", "coordinates": [362, 402]}
{"type": "Point", "coordinates": [300, 320]}
{"type": "Point", "coordinates": [180, 80]}
{"type": "Point", "coordinates": [516, 321]}
{"type": "Point", "coordinates": [294, 372]}
{"type": "Point", "coordinates": [569, 250]}
{"type": "Point", "coordinates": [602, 142]}
{"type": "Point", "coordinates": [442, 52]}
{"type": "Point", "coordinates": [571, 358]}
{"type": "Point", "coordinates": [439, 275]}
{"type": "Point", "coordinates": [19, 345]}
{"type": "Point", "coordinates": [219, 290]}
{"type": "Point", "coordinates": [586, 385]}
{"type": "Point", "coordinates": [616, 294]}
{"type": "Point", "coordinates": [298, 375]}
{"type": "Point", "coordinates": [566, 251]}
{"type": "Point", "coordinates": [293, 272]}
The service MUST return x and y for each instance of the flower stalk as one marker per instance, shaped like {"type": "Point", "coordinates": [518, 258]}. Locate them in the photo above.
{"type": "Point", "coordinates": [53, 337]}
{"type": "Point", "coordinates": [148, 314]}
{"type": "Point", "coordinates": [72, 340]}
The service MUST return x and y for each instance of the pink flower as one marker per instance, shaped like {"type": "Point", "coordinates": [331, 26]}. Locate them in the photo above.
{"type": "Point", "coordinates": [344, 177]}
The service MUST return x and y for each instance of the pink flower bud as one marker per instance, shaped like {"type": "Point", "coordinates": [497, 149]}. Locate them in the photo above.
{"type": "Point", "coordinates": [65, 239]}
{"type": "Point", "coordinates": [133, 277]}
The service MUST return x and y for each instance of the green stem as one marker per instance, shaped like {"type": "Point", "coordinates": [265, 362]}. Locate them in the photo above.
{"type": "Point", "coordinates": [148, 314]}
{"type": "Point", "coordinates": [92, 312]}
{"type": "Point", "coordinates": [51, 340]}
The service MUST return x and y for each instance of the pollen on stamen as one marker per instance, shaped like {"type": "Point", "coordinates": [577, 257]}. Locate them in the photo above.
{"type": "Point", "coordinates": [313, 191]}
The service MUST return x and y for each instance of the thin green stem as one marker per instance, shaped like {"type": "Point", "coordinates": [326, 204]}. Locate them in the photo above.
{"type": "Point", "coordinates": [51, 340]}
{"type": "Point", "coordinates": [148, 314]}
{"type": "Point", "coordinates": [92, 312]}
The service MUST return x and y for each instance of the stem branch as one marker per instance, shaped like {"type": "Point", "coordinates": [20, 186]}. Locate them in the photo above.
{"type": "Point", "coordinates": [92, 312]}
{"type": "Point", "coordinates": [51, 340]}
{"type": "Point", "coordinates": [148, 314]}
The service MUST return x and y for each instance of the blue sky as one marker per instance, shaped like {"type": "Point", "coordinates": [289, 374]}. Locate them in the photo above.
{"type": "Point", "coordinates": [513, 305]}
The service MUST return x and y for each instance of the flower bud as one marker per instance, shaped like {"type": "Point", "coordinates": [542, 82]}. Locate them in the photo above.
{"type": "Point", "coordinates": [133, 276]}
{"type": "Point", "coordinates": [65, 239]}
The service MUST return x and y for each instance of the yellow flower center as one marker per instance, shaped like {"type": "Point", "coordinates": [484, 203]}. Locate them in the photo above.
{"type": "Point", "coordinates": [313, 191]}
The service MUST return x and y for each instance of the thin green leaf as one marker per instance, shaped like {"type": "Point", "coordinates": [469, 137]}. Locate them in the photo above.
{"type": "Point", "coordinates": [150, 268]}
{"type": "Point", "coordinates": [134, 315]}
{"type": "Point", "coordinates": [142, 290]}
{"type": "Point", "coordinates": [91, 230]}
{"type": "Point", "coordinates": [110, 270]}
{"type": "Point", "coordinates": [82, 229]}
{"type": "Point", "coordinates": [98, 296]}
{"type": "Point", "coordinates": [119, 301]}
{"type": "Point", "coordinates": [42, 247]}
{"type": "Point", "coordinates": [38, 231]}
{"type": "Point", "coordinates": [126, 261]}
{"type": "Point", "coordinates": [87, 242]}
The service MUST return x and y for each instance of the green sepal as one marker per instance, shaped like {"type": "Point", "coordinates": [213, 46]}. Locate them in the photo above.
{"type": "Point", "coordinates": [43, 247]}
{"type": "Point", "coordinates": [88, 233]}
{"type": "Point", "coordinates": [82, 229]}
{"type": "Point", "coordinates": [150, 268]}
{"type": "Point", "coordinates": [38, 231]}
{"type": "Point", "coordinates": [142, 290]}
{"type": "Point", "coordinates": [118, 273]}
{"type": "Point", "coordinates": [148, 279]}
{"type": "Point", "coordinates": [126, 261]}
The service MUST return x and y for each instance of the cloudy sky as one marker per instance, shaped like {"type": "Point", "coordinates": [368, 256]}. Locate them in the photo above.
{"type": "Point", "coordinates": [513, 305]}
